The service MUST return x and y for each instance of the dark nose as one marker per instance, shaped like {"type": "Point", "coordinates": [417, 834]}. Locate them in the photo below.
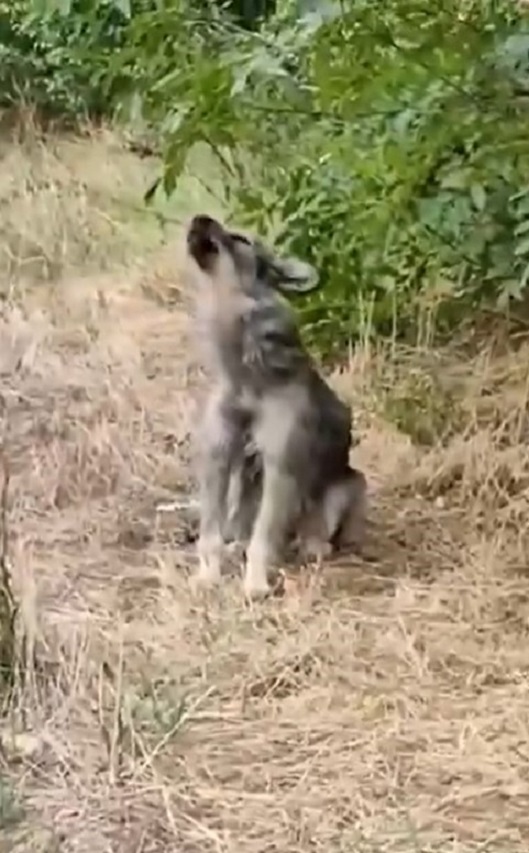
{"type": "Point", "coordinates": [198, 235]}
{"type": "Point", "coordinates": [203, 226]}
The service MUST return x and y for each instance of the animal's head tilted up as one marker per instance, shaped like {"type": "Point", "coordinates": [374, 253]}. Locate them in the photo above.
{"type": "Point", "coordinates": [244, 262]}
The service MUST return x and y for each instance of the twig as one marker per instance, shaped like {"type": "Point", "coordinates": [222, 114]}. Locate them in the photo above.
{"type": "Point", "coordinates": [8, 605]}
{"type": "Point", "coordinates": [5, 573]}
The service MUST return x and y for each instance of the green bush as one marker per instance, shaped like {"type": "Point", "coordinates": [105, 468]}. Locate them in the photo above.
{"type": "Point", "coordinates": [386, 138]}
{"type": "Point", "coordinates": [57, 55]}
{"type": "Point", "coordinates": [57, 63]}
{"type": "Point", "coordinates": [406, 184]}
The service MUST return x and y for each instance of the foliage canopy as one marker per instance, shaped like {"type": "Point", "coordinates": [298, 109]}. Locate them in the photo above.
{"type": "Point", "coordinates": [384, 140]}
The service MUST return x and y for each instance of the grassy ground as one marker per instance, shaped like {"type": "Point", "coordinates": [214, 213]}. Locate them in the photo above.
{"type": "Point", "coordinates": [381, 705]}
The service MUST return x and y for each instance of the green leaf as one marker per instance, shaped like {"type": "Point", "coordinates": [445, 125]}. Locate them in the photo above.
{"type": "Point", "coordinates": [124, 6]}
{"type": "Point", "coordinates": [522, 248]}
{"type": "Point", "coordinates": [522, 228]}
{"type": "Point", "coordinates": [43, 7]}
{"type": "Point", "coordinates": [455, 180]}
{"type": "Point", "coordinates": [479, 196]}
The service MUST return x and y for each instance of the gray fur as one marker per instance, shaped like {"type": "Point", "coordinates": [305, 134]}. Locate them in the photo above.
{"type": "Point", "coordinates": [275, 440]}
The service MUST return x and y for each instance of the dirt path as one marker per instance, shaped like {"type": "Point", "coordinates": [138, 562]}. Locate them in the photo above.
{"type": "Point", "coordinates": [382, 705]}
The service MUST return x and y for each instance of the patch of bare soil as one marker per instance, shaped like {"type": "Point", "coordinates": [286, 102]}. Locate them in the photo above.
{"type": "Point", "coordinates": [382, 704]}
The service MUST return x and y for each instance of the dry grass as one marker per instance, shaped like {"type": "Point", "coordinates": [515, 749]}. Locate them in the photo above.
{"type": "Point", "coordinates": [381, 705]}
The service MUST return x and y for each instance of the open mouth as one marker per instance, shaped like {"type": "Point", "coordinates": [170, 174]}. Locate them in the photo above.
{"type": "Point", "coordinates": [203, 240]}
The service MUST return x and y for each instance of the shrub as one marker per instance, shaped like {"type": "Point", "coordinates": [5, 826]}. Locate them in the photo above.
{"type": "Point", "coordinates": [57, 63]}
{"type": "Point", "coordinates": [387, 139]}
{"type": "Point", "coordinates": [406, 185]}
{"type": "Point", "coordinates": [382, 139]}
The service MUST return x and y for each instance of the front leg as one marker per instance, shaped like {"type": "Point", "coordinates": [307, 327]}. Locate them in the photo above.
{"type": "Point", "coordinates": [213, 487]}
{"type": "Point", "coordinates": [244, 497]}
{"type": "Point", "coordinates": [278, 507]}
{"type": "Point", "coordinates": [233, 531]}
{"type": "Point", "coordinates": [280, 442]}
{"type": "Point", "coordinates": [219, 440]}
{"type": "Point", "coordinates": [235, 498]}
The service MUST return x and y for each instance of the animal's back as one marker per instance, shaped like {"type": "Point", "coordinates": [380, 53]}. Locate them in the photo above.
{"type": "Point", "coordinates": [319, 447]}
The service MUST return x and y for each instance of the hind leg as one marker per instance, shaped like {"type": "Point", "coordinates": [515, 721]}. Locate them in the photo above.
{"type": "Point", "coordinates": [312, 540]}
{"type": "Point", "coordinates": [344, 510]}
{"type": "Point", "coordinates": [338, 520]}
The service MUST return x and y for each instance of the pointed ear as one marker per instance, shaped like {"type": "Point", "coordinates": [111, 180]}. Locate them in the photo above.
{"type": "Point", "coordinates": [289, 275]}
{"type": "Point", "coordinates": [296, 276]}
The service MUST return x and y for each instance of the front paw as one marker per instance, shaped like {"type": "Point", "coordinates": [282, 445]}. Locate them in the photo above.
{"type": "Point", "coordinates": [256, 589]}
{"type": "Point", "coordinates": [314, 549]}
{"type": "Point", "coordinates": [209, 570]}
{"type": "Point", "coordinates": [255, 584]}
